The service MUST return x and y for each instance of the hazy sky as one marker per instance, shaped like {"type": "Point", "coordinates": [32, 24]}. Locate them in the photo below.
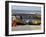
{"type": "Point", "coordinates": [29, 8]}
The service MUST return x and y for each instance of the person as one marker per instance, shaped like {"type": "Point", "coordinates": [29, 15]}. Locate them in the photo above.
{"type": "Point", "coordinates": [14, 21]}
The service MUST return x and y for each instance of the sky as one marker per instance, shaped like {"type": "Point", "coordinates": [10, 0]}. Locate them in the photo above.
{"type": "Point", "coordinates": [20, 9]}
{"type": "Point", "coordinates": [26, 8]}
